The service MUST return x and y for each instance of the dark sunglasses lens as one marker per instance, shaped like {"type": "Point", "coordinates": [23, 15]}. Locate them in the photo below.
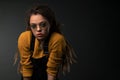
{"type": "Point", "coordinates": [43, 24]}
{"type": "Point", "coordinates": [33, 26]}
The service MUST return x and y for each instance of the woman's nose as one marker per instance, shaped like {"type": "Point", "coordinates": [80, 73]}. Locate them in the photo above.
{"type": "Point", "coordinates": [38, 28]}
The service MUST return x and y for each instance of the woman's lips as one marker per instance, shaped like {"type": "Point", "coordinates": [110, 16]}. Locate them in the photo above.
{"type": "Point", "coordinates": [39, 34]}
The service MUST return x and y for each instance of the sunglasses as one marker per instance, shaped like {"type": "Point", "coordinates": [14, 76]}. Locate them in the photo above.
{"type": "Point", "coordinates": [42, 25]}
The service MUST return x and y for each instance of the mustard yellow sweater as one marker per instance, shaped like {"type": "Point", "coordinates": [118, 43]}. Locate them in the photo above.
{"type": "Point", "coordinates": [55, 48]}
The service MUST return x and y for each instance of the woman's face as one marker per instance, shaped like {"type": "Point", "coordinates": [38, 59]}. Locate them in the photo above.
{"type": "Point", "coordinates": [39, 26]}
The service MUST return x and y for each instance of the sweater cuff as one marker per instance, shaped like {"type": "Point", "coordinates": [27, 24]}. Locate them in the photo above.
{"type": "Point", "coordinates": [27, 73]}
{"type": "Point", "coordinates": [52, 71]}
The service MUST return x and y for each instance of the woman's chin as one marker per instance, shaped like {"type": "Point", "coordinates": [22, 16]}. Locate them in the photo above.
{"type": "Point", "coordinates": [40, 38]}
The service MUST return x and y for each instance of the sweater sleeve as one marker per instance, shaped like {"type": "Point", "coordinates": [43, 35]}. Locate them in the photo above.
{"type": "Point", "coordinates": [23, 47]}
{"type": "Point", "coordinates": [57, 44]}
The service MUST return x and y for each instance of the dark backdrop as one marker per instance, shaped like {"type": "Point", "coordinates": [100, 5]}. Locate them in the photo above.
{"type": "Point", "coordinates": [90, 25]}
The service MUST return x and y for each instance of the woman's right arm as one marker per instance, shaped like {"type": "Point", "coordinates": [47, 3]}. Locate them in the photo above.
{"type": "Point", "coordinates": [23, 47]}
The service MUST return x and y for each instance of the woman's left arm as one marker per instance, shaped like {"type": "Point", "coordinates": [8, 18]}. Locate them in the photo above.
{"type": "Point", "coordinates": [55, 56]}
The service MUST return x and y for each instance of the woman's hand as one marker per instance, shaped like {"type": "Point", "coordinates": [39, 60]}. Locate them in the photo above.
{"type": "Point", "coordinates": [26, 78]}
{"type": "Point", "coordinates": [50, 77]}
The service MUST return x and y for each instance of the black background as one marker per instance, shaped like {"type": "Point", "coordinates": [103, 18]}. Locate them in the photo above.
{"type": "Point", "coordinates": [90, 25]}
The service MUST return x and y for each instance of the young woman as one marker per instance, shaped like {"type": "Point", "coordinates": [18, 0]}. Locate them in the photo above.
{"type": "Point", "coordinates": [41, 46]}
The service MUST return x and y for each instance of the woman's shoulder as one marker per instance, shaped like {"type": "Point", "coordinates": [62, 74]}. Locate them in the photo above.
{"type": "Point", "coordinates": [57, 37]}
{"type": "Point", "coordinates": [25, 35]}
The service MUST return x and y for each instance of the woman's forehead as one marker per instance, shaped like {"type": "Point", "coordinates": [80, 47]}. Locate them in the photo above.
{"type": "Point", "coordinates": [37, 18]}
